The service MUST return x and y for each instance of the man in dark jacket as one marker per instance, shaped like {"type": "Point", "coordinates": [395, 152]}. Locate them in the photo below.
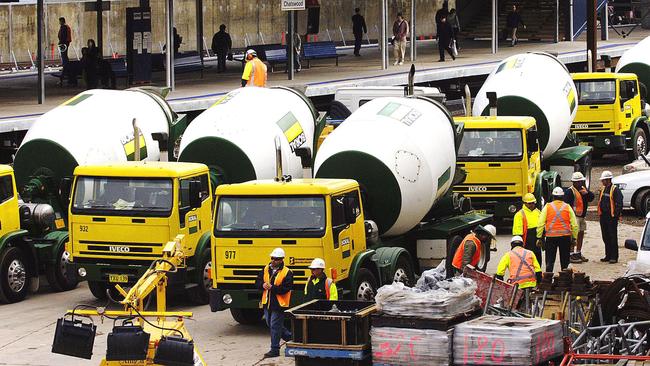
{"type": "Point", "coordinates": [221, 45]}
{"type": "Point", "coordinates": [445, 35]}
{"type": "Point", "coordinates": [578, 197]}
{"type": "Point", "coordinates": [610, 207]}
{"type": "Point", "coordinates": [512, 22]}
{"type": "Point", "coordinates": [65, 37]}
{"type": "Point", "coordinates": [275, 281]}
{"type": "Point", "coordinates": [358, 28]}
{"type": "Point", "coordinates": [442, 12]}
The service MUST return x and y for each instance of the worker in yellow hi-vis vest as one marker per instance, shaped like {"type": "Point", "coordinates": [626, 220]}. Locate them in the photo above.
{"type": "Point", "coordinates": [254, 71]}
{"type": "Point", "coordinates": [524, 224]}
{"type": "Point", "coordinates": [319, 286]}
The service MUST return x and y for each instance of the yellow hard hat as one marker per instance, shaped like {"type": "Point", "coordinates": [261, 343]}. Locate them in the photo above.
{"type": "Point", "coordinates": [529, 198]}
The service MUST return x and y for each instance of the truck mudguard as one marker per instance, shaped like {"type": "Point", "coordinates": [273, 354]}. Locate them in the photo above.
{"type": "Point", "coordinates": [358, 262]}
{"type": "Point", "coordinates": [387, 261]}
{"type": "Point", "coordinates": [60, 238]}
{"type": "Point", "coordinates": [32, 259]}
{"type": "Point", "coordinates": [201, 245]}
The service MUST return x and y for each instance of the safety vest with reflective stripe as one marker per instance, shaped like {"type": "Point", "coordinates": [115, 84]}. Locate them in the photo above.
{"type": "Point", "coordinates": [611, 201]}
{"type": "Point", "coordinates": [458, 256]}
{"type": "Point", "coordinates": [558, 219]}
{"type": "Point", "coordinates": [328, 286]}
{"type": "Point", "coordinates": [578, 203]}
{"type": "Point", "coordinates": [283, 299]}
{"type": "Point", "coordinates": [258, 73]}
{"type": "Point", "coordinates": [524, 226]}
{"type": "Point", "coordinates": [521, 266]}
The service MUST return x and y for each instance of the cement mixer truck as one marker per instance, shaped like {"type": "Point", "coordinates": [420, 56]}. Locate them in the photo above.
{"type": "Point", "coordinates": [379, 210]}
{"type": "Point", "coordinates": [613, 111]}
{"type": "Point", "coordinates": [513, 143]}
{"type": "Point", "coordinates": [95, 126]}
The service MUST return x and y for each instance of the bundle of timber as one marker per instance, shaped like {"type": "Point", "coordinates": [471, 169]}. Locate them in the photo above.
{"type": "Point", "coordinates": [497, 340]}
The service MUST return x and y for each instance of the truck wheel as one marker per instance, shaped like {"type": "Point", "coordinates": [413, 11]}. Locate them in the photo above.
{"type": "Point", "coordinates": [642, 202]}
{"type": "Point", "coordinates": [404, 272]}
{"type": "Point", "coordinates": [366, 285]}
{"type": "Point", "coordinates": [199, 293]}
{"type": "Point", "coordinates": [14, 276]}
{"type": "Point", "coordinates": [98, 289]}
{"type": "Point", "coordinates": [58, 275]}
{"type": "Point", "coordinates": [247, 316]}
{"type": "Point", "coordinates": [639, 143]}
{"type": "Point", "coordinates": [452, 245]}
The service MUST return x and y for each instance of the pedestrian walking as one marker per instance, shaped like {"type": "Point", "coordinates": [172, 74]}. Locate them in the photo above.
{"type": "Point", "coordinates": [358, 29]}
{"type": "Point", "coordinates": [65, 38]}
{"type": "Point", "coordinates": [275, 281]}
{"type": "Point", "coordinates": [400, 32]}
{"type": "Point", "coordinates": [319, 286]}
{"type": "Point", "coordinates": [221, 46]}
{"type": "Point", "coordinates": [177, 42]}
{"type": "Point", "coordinates": [442, 12]}
{"type": "Point", "coordinates": [610, 207]}
{"type": "Point", "coordinates": [470, 250]}
{"type": "Point", "coordinates": [513, 21]}
{"type": "Point", "coordinates": [525, 225]}
{"type": "Point", "coordinates": [557, 224]}
{"type": "Point", "coordinates": [453, 21]}
{"type": "Point", "coordinates": [522, 265]}
{"type": "Point", "coordinates": [254, 72]}
{"type": "Point", "coordinates": [445, 35]}
{"type": "Point", "coordinates": [578, 197]}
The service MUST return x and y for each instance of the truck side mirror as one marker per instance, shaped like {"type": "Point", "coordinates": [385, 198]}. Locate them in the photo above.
{"type": "Point", "coordinates": [631, 245]}
{"type": "Point", "coordinates": [195, 193]}
{"type": "Point", "coordinates": [350, 210]}
{"type": "Point", "coordinates": [65, 190]}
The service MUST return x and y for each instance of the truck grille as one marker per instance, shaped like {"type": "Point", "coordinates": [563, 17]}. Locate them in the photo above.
{"type": "Point", "coordinates": [486, 189]}
{"type": "Point", "coordinates": [585, 127]}
{"type": "Point", "coordinates": [124, 250]}
{"type": "Point", "coordinates": [248, 274]}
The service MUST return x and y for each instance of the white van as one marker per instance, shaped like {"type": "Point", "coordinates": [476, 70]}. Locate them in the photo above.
{"type": "Point", "coordinates": [643, 250]}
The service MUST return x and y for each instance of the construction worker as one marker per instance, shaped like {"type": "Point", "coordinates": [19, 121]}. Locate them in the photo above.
{"type": "Point", "coordinates": [610, 207]}
{"type": "Point", "coordinates": [470, 249]}
{"type": "Point", "coordinates": [578, 197]}
{"type": "Point", "coordinates": [254, 71]}
{"type": "Point", "coordinates": [275, 281]}
{"type": "Point", "coordinates": [319, 286]}
{"type": "Point", "coordinates": [521, 263]}
{"type": "Point", "coordinates": [557, 223]}
{"type": "Point", "coordinates": [525, 225]}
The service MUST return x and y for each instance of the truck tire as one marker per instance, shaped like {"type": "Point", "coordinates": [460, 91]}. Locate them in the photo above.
{"type": "Point", "coordinates": [452, 245]}
{"type": "Point", "coordinates": [642, 202]}
{"type": "Point", "coordinates": [639, 143]}
{"type": "Point", "coordinates": [14, 275]}
{"type": "Point", "coordinates": [199, 293]}
{"type": "Point", "coordinates": [98, 289]}
{"type": "Point", "coordinates": [404, 272]}
{"type": "Point", "coordinates": [58, 276]}
{"type": "Point", "coordinates": [247, 316]}
{"type": "Point", "coordinates": [366, 286]}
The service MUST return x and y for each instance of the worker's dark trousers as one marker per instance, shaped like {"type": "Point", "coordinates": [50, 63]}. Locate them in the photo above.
{"type": "Point", "coordinates": [609, 230]}
{"type": "Point", "coordinates": [442, 52]}
{"type": "Point", "coordinates": [221, 60]}
{"type": "Point", "coordinates": [357, 43]}
{"type": "Point", "coordinates": [553, 244]}
{"type": "Point", "coordinates": [275, 322]}
{"type": "Point", "coordinates": [531, 244]}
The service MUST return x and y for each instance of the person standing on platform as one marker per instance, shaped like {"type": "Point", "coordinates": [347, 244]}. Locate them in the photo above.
{"type": "Point", "coordinates": [525, 225]}
{"type": "Point", "coordinates": [221, 46]}
{"type": "Point", "coordinates": [513, 21]}
{"type": "Point", "coordinates": [445, 36]}
{"type": "Point", "coordinates": [453, 21]}
{"type": "Point", "coordinates": [557, 223]}
{"type": "Point", "coordinates": [400, 32]}
{"type": "Point", "coordinates": [359, 29]}
{"type": "Point", "coordinates": [610, 207]}
{"type": "Point", "coordinates": [578, 197]}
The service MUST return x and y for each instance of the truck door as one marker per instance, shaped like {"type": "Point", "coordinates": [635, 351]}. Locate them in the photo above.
{"type": "Point", "coordinates": [627, 91]}
{"type": "Point", "coordinates": [8, 205]}
{"type": "Point", "coordinates": [191, 219]}
{"type": "Point", "coordinates": [343, 233]}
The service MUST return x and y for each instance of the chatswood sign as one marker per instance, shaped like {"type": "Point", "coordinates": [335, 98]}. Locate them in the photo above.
{"type": "Point", "coordinates": [293, 5]}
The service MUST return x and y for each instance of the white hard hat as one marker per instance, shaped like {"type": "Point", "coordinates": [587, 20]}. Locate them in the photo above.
{"type": "Point", "coordinates": [558, 191]}
{"type": "Point", "coordinates": [606, 175]}
{"type": "Point", "coordinates": [251, 52]}
{"type": "Point", "coordinates": [517, 239]}
{"type": "Point", "coordinates": [317, 263]}
{"type": "Point", "coordinates": [277, 253]}
{"type": "Point", "coordinates": [577, 177]}
{"type": "Point", "coordinates": [489, 229]}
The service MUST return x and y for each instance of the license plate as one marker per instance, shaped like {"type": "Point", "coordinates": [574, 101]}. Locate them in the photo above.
{"type": "Point", "coordinates": [119, 278]}
{"type": "Point", "coordinates": [482, 212]}
{"type": "Point", "coordinates": [583, 143]}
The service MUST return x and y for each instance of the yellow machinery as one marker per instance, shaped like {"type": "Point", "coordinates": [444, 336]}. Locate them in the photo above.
{"type": "Point", "coordinates": [610, 113]}
{"type": "Point", "coordinates": [139, 337]}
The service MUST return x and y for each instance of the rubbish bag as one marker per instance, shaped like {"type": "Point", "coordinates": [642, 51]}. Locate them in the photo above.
{"type": "Point", "coordinates": [454, 48]}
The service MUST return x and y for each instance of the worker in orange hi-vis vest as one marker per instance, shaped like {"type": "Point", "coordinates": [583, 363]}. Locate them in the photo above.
{"type": "Point", "coordinates": [254, 71]}
{"type": "Point", "coordinates": [521, 263]}
{"type": "Point", "coordinates": [275, 281]}
{"type": "Point", "coordinates": [578, 197]}
{"type": "Point", "coordinates": [557, 224]}
{"type": "Point", "coordinates": [473, 248]}
{"type": "Point", "coordinates": [610, 207]}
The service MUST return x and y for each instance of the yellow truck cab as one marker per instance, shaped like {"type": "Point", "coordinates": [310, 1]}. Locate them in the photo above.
{"type": "Point", "coordinates": [610, 113]}
{"type": "Point", "coordinates": [502, 160]}
{"type": "Point", "coordinates": [121, 216]}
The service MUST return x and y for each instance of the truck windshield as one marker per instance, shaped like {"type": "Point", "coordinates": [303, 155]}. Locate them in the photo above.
{"type": "Point", "coordinates": [297, 216]}
{"type": "Point", "coordinates": [123, 196]}
{"type": "Point", "coordinates": [492, 145]}
{"type": "Point", "coordinates": [596, 91]}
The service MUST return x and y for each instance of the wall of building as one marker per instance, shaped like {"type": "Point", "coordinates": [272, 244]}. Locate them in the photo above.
{"type": "Point", "coordinates": [254, 20]}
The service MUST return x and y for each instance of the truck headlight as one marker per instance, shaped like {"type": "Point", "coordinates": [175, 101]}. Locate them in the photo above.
{"type": "Point", "coordinates": [608, 141]}
{"type": "Point", "coordinates": [82, 272]}
{"type": "Point", "coordinates": [227, 299]}
{"type": "Point", "coordinates": [512, 208]}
